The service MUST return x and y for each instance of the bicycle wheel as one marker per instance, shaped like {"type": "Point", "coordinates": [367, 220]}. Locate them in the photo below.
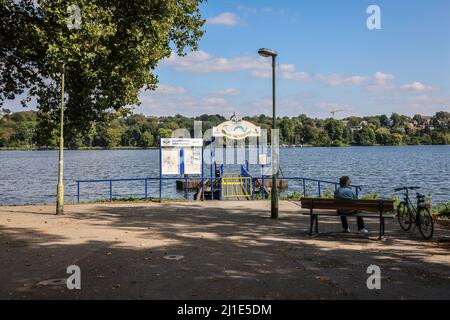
{"type": "Point", "coordinates": [426, 226]}
{"type": "Point", "coordinates": [404, 216]}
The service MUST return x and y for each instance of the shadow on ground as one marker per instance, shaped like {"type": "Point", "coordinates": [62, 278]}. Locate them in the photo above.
{"type": "Point", "coordinates": [231, 250]}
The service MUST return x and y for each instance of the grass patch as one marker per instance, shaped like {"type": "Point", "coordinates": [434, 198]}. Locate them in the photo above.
{"type": "Point", "coordinates": [130, 200]}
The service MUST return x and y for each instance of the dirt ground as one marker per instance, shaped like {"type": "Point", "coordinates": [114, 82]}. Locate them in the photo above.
{"type": "Point", "coordinates": [219, 250]}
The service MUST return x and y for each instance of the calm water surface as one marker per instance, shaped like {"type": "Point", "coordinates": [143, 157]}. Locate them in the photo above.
{"type": "Point", "coordinates": [31, 176]}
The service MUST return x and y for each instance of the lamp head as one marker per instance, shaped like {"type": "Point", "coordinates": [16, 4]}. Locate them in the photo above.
{"type": "Point", "coordinates": [264, 52]}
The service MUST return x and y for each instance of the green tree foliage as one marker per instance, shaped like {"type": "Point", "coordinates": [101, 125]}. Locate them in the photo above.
{"type": "Point", "coordinates": [365, 136]}
{"type": "Point", "coordinates": [335, 130]}
{"type": "Point", "coordinates": [108, 60]}
{"type": "Point", "coordinates": [383, 137]}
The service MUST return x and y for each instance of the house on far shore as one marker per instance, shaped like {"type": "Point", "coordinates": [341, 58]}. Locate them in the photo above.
{"type": "Point", "coordinates": [360, 126]}
{"type": "Point", "coordinates": [424, 122]}
{"type": "Point", "coordinates": [427, 119]}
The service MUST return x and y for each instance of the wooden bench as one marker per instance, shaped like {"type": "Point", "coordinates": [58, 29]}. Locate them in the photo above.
{"type": "Point", "coordinates": [363, 208]}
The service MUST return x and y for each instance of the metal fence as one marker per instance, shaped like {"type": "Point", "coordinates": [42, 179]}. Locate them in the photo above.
{"type": "Point", "coordinates": [308, 186]}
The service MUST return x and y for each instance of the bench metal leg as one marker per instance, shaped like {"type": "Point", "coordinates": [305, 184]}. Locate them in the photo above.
{"type": "Point", "coordinates": [313, 219]}
{"type": "Point", "coordinates": [311, 226]}
{"type": "Point", "coordinates": [381, 229]}
{"type": "Point", "coordinates": [317, 224]}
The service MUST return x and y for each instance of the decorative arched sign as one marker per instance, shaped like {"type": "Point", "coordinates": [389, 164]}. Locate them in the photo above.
{"type": "Point", "coordinates": [236, 129]}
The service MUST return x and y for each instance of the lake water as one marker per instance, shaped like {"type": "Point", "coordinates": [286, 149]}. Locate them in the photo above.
{"type": "Point", "coordinates": [31, 176]}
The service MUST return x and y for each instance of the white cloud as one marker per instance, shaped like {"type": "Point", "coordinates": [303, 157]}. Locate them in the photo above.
{"type": "Point", "coordinates": [336, 79]}
{"type": "Point", "coordinates": [416, 86]}
{"type": "Point", "coordinates": [224, 19]}
{"type": "Point", "coordinates": [431, 100]}
{"type": "Point", "coordinates": [254, 10]}
{"type": "Point", "coordinates": [375, 81]}
{"type": "Point", "coordinates": [214, 101]}
{"type": "Point", "coordinates": [229, 92]}
{"type": "Point", "coordinates": [203, 62]}
{"type": "Point", "coordinates": [382, 79]}
{"type": "Point", "coordinates": [251, 10]}
{"type": "Point", "coordinates": [185, 104]}
{"type": "Point", "coordinates": [273, 10]}
{"type": "Point", "coordinates": [169, 90]}
{"type": "Point", "coordinates": [424, 104]}
{"type": "Point", "coordinates": [288, 72]}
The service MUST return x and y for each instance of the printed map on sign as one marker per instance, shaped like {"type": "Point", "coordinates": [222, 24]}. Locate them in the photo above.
{"type": "Point", "coordinates": [170, 161]}
{"type": "Point", "coordinates": [193, 161]}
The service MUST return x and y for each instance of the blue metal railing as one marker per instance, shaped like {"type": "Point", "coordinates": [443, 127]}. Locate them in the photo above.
{"type": "Point", "coordinates": [320, 184]}
{"type": "Point", "coordinates": [144, 180]}
{"type": "Point", "coordinates": [244, 172]}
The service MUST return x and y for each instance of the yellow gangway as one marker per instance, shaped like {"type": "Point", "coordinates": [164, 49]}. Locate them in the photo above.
{"type": "Point", "coordinates": [235, 187]}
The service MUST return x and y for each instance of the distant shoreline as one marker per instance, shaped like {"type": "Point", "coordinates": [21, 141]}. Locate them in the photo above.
{"type": "Point", "coordinates": [156, 148]}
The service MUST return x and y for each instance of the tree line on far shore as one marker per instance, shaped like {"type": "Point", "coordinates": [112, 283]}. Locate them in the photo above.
{"type": "Point", "coordinates": [23, 130]}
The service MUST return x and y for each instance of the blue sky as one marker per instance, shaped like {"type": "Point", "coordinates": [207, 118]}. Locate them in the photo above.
{"type": "Point", "coordinates": [328, 59]}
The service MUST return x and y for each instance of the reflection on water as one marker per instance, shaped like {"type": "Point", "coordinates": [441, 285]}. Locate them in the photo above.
{"type": "Point", "coordinates": [31, 176]}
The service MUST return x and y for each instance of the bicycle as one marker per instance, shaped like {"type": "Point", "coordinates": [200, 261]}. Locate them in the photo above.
{"type": "Point", "coordinates": [420, 215]}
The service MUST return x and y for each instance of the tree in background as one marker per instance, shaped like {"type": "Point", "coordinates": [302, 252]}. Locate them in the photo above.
{"type": "Point", "coordinates": [21, 130]}
{"type": "Point", "coordinates": [335, 130]}
{"type": "Point", "coordinates": [365, 136]}
{"type": "Point", "coordinates": [383, 137]}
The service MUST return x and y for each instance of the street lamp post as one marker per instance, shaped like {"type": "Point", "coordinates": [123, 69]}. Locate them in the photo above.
{"type": "Point", "coordinates": [264, 52]}
{"type": "Point", "coordinates": [60, 189]}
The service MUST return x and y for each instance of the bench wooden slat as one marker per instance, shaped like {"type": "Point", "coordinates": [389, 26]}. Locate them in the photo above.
{"type": "Point", "coordinates": [359, 214]}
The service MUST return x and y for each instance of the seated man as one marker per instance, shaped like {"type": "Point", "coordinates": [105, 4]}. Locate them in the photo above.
{"type": "Point", "coordinates": [346, 192]}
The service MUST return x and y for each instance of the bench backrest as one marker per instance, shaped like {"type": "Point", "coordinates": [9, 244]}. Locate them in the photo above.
{"type": "Point", "coordinates": [339, 204]}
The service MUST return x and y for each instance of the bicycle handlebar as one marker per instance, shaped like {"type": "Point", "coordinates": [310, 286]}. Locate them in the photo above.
{"type": "Point", "coordinates": [406, 188]}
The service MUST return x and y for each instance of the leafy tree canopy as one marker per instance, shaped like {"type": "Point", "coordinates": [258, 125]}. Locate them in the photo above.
{"type": "Point", "coordinates": [108, 59]}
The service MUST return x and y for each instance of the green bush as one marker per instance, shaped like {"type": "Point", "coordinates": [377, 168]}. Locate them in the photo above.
{"type": "Point", "coordinates": [396, 201]}
{"type": "Point", "coordinates": [327, 193]}
{"type": "Point", "coordinates": [295, 196]}
{"type": "Point", "coordinates": [442, 210]}
{"type": "Point", "coordinates": [371, 196]}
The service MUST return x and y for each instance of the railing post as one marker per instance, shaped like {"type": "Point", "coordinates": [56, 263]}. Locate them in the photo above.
{"type": "Point", "coordinates": [160, 174]}
{"type": "Point", "coordinates": [78, 191]}
{"type": "Point", "coordinates": [253, 188]}
{"type": "Point", "coordinates": [110, 190]}
{"type": "Point", "coordinates": [203, 174]}
{"type": "Point", "coordinates": [146, 188]}
{"type": "Point", "coordinates": [318, 185]}
{"type": "Point", "coordinates": [212, 168]}
{"type": "Point", "coordinates": [263, 186]}
{"type": "Point", "coordinates": [185, 187]}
